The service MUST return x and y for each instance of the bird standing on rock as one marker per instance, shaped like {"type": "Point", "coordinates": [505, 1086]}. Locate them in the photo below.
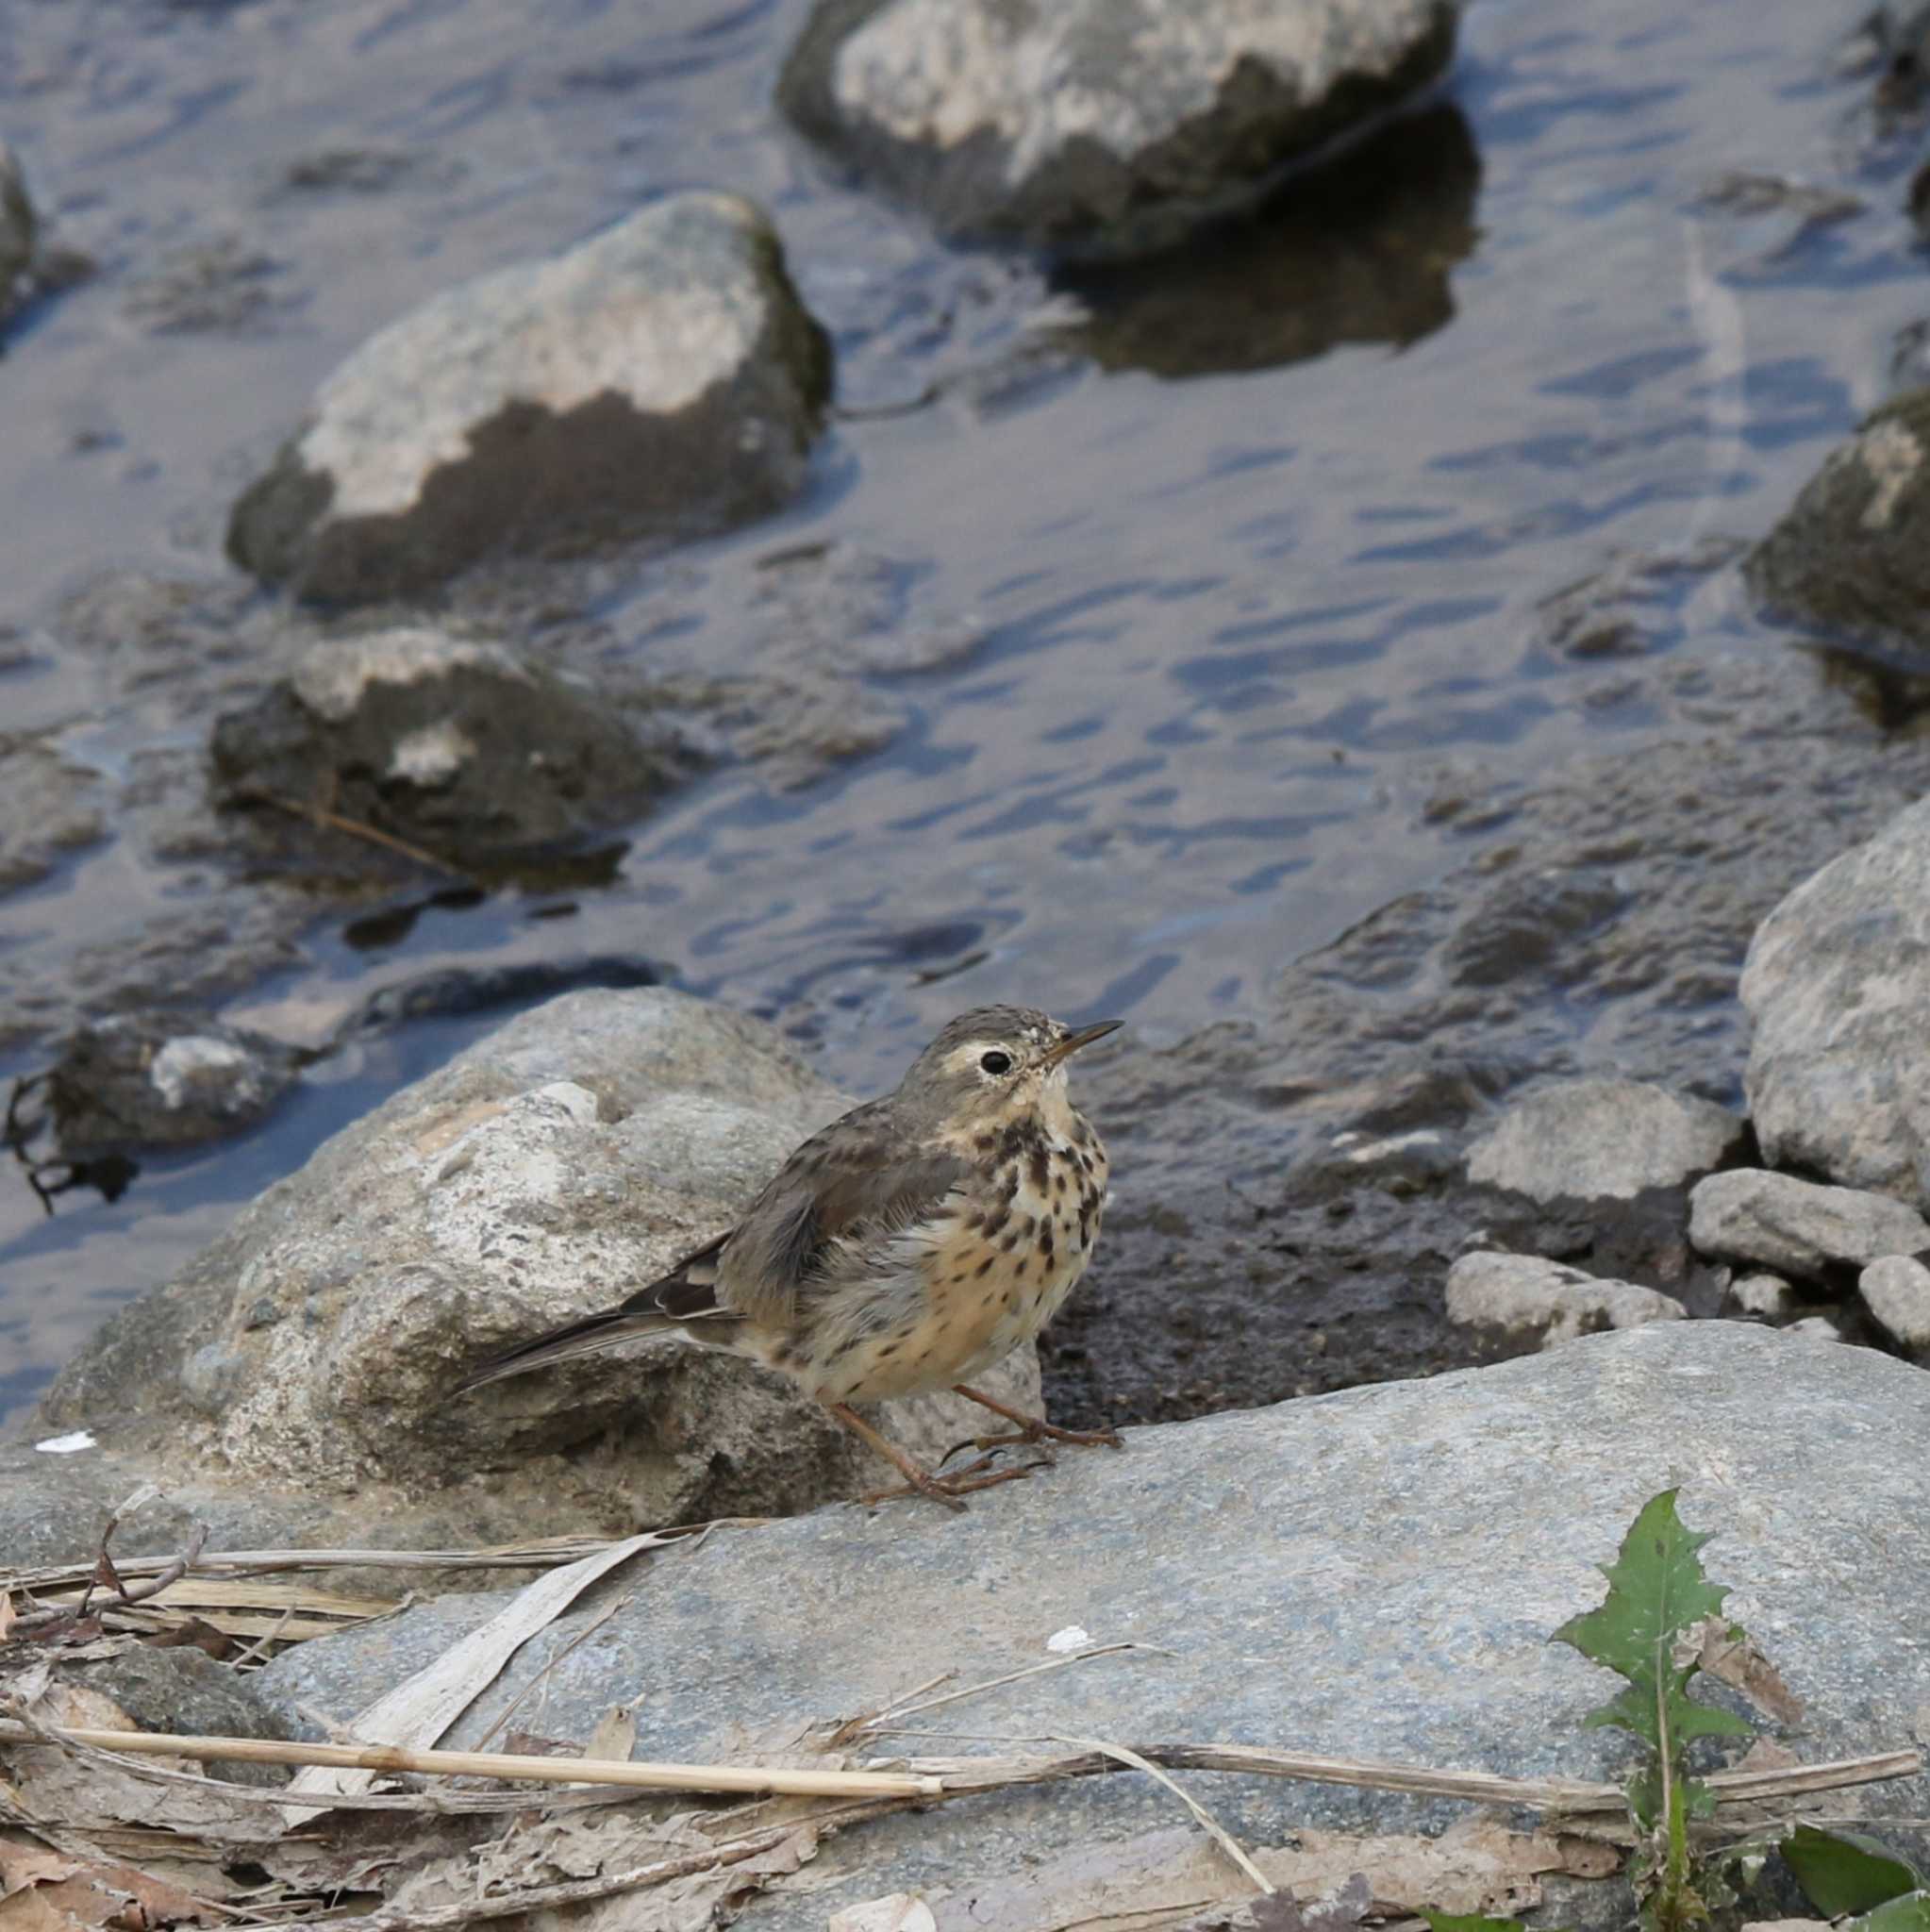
{"type": "Point", "coordinates": [908, 1247]}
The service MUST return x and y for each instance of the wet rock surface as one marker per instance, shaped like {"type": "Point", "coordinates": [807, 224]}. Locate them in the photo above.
{"type": "Point", "coordinates": [1528, 1299]}
{"type": "Point", "coordinates": [1595, 1140]}
{"type": "Point", "coordinates": [562, 1162]}
{"type": "Point", "coordinates": [158, 1079]}
{"type": "Point", "coordinates": [1849, 558]}
{"type": "Point", "coordinates": [1327, 1546]}
{"type": "Point", "coordinates": [1105, 126]}
{"type": "Point", "coordinates": [18, 226]}
{"type": "Point", "coordinates": [448, 742]}
{"type": "Point", "coordinates": [1799, 1227]}
{"type": "Point", "coordinates": [49, 805]}
{"type": "Point", "coordinates": [1838, 981]}
{"type": "Point", "coordinates": [662, 379]}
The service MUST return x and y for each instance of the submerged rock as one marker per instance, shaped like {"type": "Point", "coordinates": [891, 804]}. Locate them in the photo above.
{"type": "Point", "coordinates": [1372, 1574]}
{"type": "Point", "coordinates": [1529, 1299]}
{"type": "Point", "coordinates": [156, 1080]}
{"type": "Point", "coordinates": [547, 1171]}
{"type": "Point", "coordinates": [663, 379]}
{"type": "Point", "coordinates": [1853, 556]}
{"type": "Point", "coordinates": [1838, 982]}
{"type": "Point", "coordinates": [18, 226]}
{"type": "Point", "coordinates": [1603, 1140]}
{"type": "Point", "coordinates": [448, 742]}
{"type": "Point", "coordinates": [1097, 125]}
{"type": "Point", "coordinates": [1797, 1227]}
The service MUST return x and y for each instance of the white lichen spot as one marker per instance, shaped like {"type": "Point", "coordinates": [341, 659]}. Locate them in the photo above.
{"type": "Point", "coordinates": [432, 756]}
{"type": "Point", "coordinates": [66, 1445]}
{"type": "Point", "coordinates": [1063, 1643]}
{"type": "Point", "coordinates": [186, 1068]}
{"type": "Point", "coordinates": [1893, 457]}
{"type": "Point", "coordinates": [331, 680]}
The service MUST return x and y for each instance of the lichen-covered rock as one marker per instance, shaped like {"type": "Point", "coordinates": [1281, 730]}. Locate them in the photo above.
{"type": "Point", "coordinates": [1852, 555]}
{"type": "Point", "coordinates": [1837, 983]}
{"type": "Point", "coordinates": [547, 1171]}
{"type": "Point", "coordinates": [663, 379]}
{"type": "Point", "coordinates": [1603, 1140]}
{"type": "Point", "coordinates": [18, 228]}
{"type": "Point", "coordinates": [156, 1080]}
{"type": "Point", "coordinates": [1527, 1298]}
{"type": "Point", "coordinates": [1799, 1227]}
{"type": "Point", "coordinates": [1098, 125]}
{"type": "Point", "coordinates": [448, 742]}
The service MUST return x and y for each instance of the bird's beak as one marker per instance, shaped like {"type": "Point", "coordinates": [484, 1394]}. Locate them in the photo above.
{"type": "Point", "coordinates": [1074, 1042]}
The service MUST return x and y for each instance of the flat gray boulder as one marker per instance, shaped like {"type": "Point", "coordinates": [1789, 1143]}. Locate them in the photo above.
{"type": "Point", "coordinates": [1369, 1574]}
{"type": "Point", "coordinates": [662, 379]}
{"type": "Point", "coordinates": [1098, 126]}
{"type": "Point", "coordinates": [1602, 1139]}
{"type": "Point", "coordinates": [1526, 1297]}
{"type": "Point", "coordinates": [1837, 983]}
{"type": "Point", "coordinates": [1796, 1226]}
{"type": "Point", "coordinates": [1851, 555]}
{"type": "Point", "coordinates": [546, 1172]}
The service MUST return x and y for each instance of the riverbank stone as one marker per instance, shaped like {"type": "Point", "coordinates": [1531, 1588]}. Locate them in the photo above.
{"type": "Point", "coordinates": [1098, 127]}
{"type": "Point", "coordinates": [661, 380]}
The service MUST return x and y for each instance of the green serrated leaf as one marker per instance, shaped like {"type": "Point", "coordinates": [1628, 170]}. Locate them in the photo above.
{"type": "Point", "coordinates": [1469, 1922]}
{"type": "Point", "coordinates": [1909, 1913]}
{"type": "Point", "coordinates": [1845, 1871]}
{"type": "Point", "coordinates": [1657, 1590]}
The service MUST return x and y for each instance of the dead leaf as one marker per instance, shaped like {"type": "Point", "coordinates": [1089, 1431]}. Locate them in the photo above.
{"type": "Point", "coordinates": [30, 1911]}
{"type": "Point", "coordinates": [26, 1861]}
{"type": "Point", "coordinates": [534, 1745]}
{"type": "Point", "coordinates": [1728, 1653]}
{"type": "Point", "coordinates": [8, 1613]}
{"type": "Point", "coordinates": [1767, 1754]}
{"type": "Point", "coordinates": [615, 1736]}
{"type": "Point", "coordinates": [198, 1633]}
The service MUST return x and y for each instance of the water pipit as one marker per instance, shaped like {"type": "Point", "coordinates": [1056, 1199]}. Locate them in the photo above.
{"type": "Point", "coordinates": [908, 1247]}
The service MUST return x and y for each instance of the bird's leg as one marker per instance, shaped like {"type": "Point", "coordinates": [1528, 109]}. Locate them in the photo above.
{"type": "Point", "coordinates": [948, 1490]}
{"type": "Point", "coordinates": [1032, 1428]}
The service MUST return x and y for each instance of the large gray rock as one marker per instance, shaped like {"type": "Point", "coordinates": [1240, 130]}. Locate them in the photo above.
{"type": "Point", "coordinates": [1097, 125]}
{"type": "Point", "coordinates": [1369, 1574]}
{"type": "Point", "coordinates": [1896, 1289]}
{"type": "Point", "coordinates": [1852, 556]}
{"type": "Point", "coordinates": [448, 742]}
{"type": "Point", "coordinates": [662, 379]}
{"type": "Point", "coordinates": [18, 228]}
{"type": "Point", "coordinates": [1527, 1298]}
{"type": "Point", "coordinates": [1796, 1226]}
{"type": "Point", "coordinates": [1602, 1139]}
{"type": "Point", "coordinates": [1837, 983]}
{"type": "Point", "coordinates": [546, 1172]}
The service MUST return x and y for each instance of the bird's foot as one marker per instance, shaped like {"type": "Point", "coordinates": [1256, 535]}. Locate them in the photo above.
{"type": "Point", "coordinates": [952, 1490]}
{"type": "Point", "coordinates": [1038, 1434]}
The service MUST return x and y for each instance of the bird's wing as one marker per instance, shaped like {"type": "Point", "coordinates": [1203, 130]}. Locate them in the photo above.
{"type": "Point", "coordinates": [841, 1192]}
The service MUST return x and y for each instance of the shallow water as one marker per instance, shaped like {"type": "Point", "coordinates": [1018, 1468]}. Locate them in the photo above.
{"type": "Point", "coordinates": [1190, 587]}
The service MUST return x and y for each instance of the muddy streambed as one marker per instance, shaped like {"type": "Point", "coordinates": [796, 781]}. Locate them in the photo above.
{"type": "Point", "coordinates": [1322, 647]}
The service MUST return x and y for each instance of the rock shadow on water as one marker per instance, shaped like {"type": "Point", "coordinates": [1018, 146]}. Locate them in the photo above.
{"type": "Point", "coordinates": [1358, 250]}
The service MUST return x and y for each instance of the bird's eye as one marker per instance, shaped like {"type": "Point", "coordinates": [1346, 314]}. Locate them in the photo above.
{"type": "Point", "coordinates": [996, 1061]}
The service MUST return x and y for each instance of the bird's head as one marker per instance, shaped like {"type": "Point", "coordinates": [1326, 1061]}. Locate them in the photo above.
{"type": "Point", "coordinates": [995, 1063]}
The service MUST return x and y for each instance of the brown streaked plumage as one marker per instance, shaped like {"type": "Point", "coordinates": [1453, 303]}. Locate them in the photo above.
{"type": "Point", "coordinates": [908, 1247]}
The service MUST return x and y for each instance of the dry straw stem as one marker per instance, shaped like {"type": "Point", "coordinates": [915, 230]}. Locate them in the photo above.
{"type": "Point", "coordinates": [750, 1779]}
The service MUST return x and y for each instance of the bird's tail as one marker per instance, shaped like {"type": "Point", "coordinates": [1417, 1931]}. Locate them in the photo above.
{"type": "Point", "coordinates": [682, 1302]}
{"type": "Point", "coordinates": [590, 1335]}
